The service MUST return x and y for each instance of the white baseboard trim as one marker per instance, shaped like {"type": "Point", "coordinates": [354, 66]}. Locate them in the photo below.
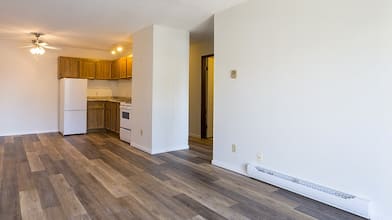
{"type": "Point", "coordinates": [194, 135]}
{"type": "Point", "coordinates": [227, 166]}
{"type": "Point", "coordinates": [28, 132]}
{"type": "Point", "coordinates": [140, 147]}
{"type": "Point", "coordinates": [182, 147]}
{"type": "Point", "coordinates": [152, 152]}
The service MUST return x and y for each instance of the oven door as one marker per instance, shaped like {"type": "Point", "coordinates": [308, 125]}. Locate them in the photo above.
{"type": "Point", "coordinates": [125, 118]}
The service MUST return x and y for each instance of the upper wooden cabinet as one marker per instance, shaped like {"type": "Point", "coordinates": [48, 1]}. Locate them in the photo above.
{"type": "Point", "coordinates": [87, 69]}
{"type": "Point", "coordinates": [103, 69]}
{"type": "Point", "coordinates": [116, 69]}
{"type": "Point", "coordinates": [119, 68]}
{"type": "Point", "coordinates": [129, 67]}
{"type": "Point", "coordinates": [68, 67]}
{"type": "Point", "coordinates": [123, 67]}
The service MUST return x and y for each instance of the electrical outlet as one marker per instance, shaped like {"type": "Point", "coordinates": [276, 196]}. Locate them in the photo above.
{"type": "Point", "coordinates": [233, 148]}
{"type": "Point", "coordinates": [141, 132]}
{"type": "Point", "coordinates": [259, 157]}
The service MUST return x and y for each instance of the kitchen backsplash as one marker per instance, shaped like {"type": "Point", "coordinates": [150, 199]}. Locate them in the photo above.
{"type": "Point", "coordinates": [109, 88]}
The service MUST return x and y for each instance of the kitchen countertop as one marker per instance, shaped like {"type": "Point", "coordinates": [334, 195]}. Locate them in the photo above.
{"type": "Point", "coordinates": [109, 99]}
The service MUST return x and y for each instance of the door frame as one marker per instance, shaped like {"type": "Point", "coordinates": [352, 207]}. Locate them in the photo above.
{"type": "Point", "coordinates": [204, 93]}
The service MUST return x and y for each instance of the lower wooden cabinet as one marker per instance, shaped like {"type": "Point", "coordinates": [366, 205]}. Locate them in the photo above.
{"type": "Point", "coordinates": [103, 115]}
{"type": "Point", "coordinates": [112, 116]}
{"type": "Point", "coordinates": [95, 115]}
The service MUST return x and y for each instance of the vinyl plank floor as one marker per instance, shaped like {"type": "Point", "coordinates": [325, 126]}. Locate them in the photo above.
{"type": "Point", "coordinates": [97, 176]}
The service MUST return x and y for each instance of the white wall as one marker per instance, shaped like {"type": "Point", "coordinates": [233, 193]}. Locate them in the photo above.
{"type": "Point", "coordinates": [170, 89]}
{"type": "Point", "coordinates": [312, 93]}
{"type": "Point", "coordinates": [142, 72]}
{"type": "Point", "coordinates": [197, 50]}
{"type": "Point", "coordinates": [29, 88]}
{"type": "Point", "coordinates": [160, 90]}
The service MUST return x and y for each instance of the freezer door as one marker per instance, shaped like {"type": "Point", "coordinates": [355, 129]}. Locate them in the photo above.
{"type": "Point", "coordinates": [75, 122]}
{"type": "Point", "coordinates": [74, 94]}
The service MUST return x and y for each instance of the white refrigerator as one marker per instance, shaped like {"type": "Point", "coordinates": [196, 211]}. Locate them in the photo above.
{"type": "Point", "coordinates": [73, 106]}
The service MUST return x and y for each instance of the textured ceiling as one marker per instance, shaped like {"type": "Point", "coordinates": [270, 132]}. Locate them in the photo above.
{"type": "Point", "coordinates": [102, 24]}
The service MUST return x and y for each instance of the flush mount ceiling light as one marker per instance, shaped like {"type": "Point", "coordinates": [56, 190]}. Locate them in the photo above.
{"type": "Point", "coordinates": [119, 49]}
{"type": "Point", "coordinates": [113, 52]}
{"type": "Point", "coordinates": [38, 46]}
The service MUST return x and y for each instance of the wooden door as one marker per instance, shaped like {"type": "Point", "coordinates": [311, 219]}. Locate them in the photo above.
{"type": "Point", "coordinates": [68, 67]}
{"type": "Point", "coordinates": [87, 69]}
{"type": "Point", "coordinates": [103, 69]}
{"type": "Point", "coordinates": [129, 67]}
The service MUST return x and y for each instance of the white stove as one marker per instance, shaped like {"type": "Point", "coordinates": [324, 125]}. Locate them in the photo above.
{"type": "Point", "coordinates": [125, 122]}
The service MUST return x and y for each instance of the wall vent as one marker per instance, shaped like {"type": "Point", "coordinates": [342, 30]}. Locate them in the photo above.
{"type": "Point", "coordinates": [335, 198]}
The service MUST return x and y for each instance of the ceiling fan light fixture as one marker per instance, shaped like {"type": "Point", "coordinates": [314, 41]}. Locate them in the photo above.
{"type": "Point", "coordinates": [37, 50]}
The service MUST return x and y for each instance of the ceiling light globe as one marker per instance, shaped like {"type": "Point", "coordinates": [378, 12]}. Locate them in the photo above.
{"type": "Point", "coordinates": [119, 49]}
{"type": "Point", "coordinates": [41, 51]}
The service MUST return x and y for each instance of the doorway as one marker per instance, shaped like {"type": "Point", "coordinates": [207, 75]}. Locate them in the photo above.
{"type": "Point", "coordinates": [207, 97]}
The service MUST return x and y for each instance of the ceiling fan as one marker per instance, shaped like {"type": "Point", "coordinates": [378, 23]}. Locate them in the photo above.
{"type": "Point", "coordinates": [38, 46]}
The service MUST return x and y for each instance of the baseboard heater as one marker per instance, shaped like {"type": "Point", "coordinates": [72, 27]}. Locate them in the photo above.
{"type": "Point", "coordinates": [341, 200]}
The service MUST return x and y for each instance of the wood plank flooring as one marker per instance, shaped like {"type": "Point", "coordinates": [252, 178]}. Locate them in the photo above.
{"type": "Point", "coordinates": [96, 176]}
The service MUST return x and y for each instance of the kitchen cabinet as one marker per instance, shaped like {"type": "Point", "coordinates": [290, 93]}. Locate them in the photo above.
{"type": "Point", "coordinates": [95, 115]}
{"type": "Point", "coordinates": [123, 67]}
{"type": "Point", "coordinates": [103, 115]}
{"type": "Point", "coordinates": [129, 67]}
{"type": "Point", "coordinates": [116, 69]}
{"type": "Point", "coordinates": [87, 68]}
{"type": "Point", "coordinates": [68, 67]}
{"type": "Point", "coordinates": [112, 116]}
{"type": "Point", "coordinates": [119, 68]}
{"type": "Point", "coordinates": [103, 69]}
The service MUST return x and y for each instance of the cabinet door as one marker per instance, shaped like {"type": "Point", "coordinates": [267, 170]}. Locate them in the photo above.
{"type": "Point", "coordinates": [68, 67]}
{"type": "Point", "coordinates": [116, 69]}
{"type": "Point", "coordinates": [123, 67]}
{"type": "Point", "coordinates": [108, 114]}
{"type": "Point", "coordinates": [116, 117]}
{"type": "Point", "coordinates": [95, 115]}
{"type": "Point", "coordinates": [129, 67]}
{"type": "Point", "coordinates": [103, 69]}
{"type": "Point", "coordinates": [87, 69]}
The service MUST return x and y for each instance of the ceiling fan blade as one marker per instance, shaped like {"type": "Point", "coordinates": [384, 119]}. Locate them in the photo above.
{"type": "Point", "coordinates": [50, 47]}
{"type": "Point", "coordinates": [43, 44]}
{"type": "Point", "coordinates": [27, 46]}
